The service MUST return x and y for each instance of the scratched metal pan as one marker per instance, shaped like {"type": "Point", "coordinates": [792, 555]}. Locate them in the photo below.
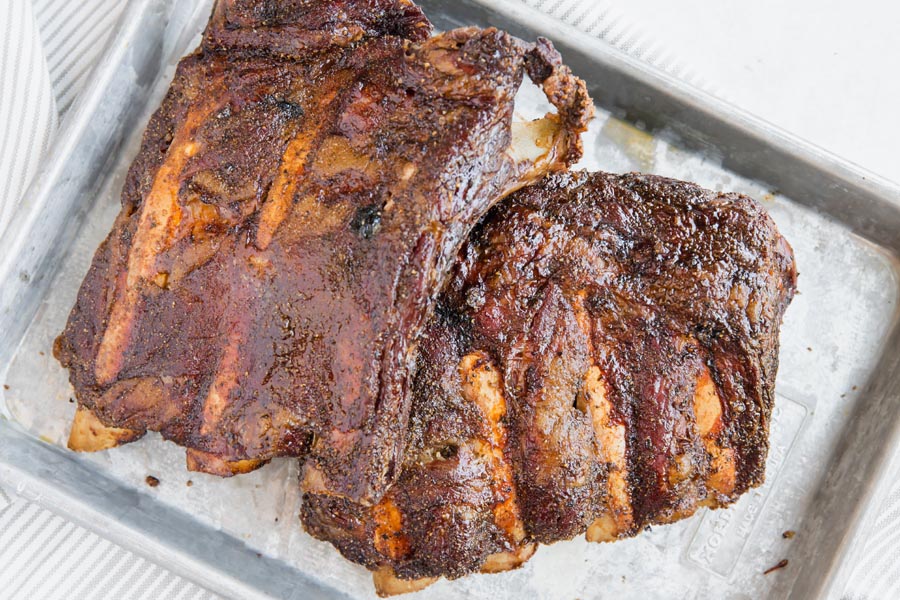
{"type": "Point", "coordinates": [838, 389]}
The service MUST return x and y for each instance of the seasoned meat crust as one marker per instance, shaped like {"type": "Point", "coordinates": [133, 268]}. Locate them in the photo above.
{"type": "Point", "coordinates": [603, 358]}
{"type": "Point", "coordinates": [292, 215]}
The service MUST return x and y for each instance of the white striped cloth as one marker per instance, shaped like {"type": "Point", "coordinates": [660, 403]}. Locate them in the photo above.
{"type": "Point", "coordinates": [28, 112]}
{"type": "Point", "coordinates": [45, 557]}
{"type": "Point", "coordinates": [73, 35]}
{"type": "Point", "coordinates": [47, 49]}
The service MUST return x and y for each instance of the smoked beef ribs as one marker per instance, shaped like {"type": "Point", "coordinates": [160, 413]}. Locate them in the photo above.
{"type": "Point", "coordinates": [603, 358]}
{"type": "Point", "coordinates": [296, 206]}
{"type": "Point", "coordinates": [307, 264]}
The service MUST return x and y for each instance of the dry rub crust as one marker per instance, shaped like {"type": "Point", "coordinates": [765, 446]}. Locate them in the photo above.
{"type": "Point", "coordinates": [603, 359]}
{"type": "Point", "coordinates": [288, 223]}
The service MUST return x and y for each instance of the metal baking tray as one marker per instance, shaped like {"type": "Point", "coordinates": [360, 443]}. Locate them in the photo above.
{"type": "Point", "coordinates": [838, 388]}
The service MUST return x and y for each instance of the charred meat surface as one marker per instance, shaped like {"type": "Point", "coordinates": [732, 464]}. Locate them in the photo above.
{"type": "Point", "coordinates": [294, 211]}
{"type": "Point", "coordinates": [603, 358]}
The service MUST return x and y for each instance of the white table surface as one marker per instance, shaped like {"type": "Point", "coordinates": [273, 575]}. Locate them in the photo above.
{"type": "Point", "coordinates": [827, 71]}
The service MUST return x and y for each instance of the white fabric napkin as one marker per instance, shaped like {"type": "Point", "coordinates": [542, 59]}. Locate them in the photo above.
{"type": "Point", "coordinates": [28, 113]}
{"type": "Point", "coordinates": [5, 500]}
{"type": "Point", "coordinates": [46, 557]}
{"type": "Point", "coordinates": [47, 48]}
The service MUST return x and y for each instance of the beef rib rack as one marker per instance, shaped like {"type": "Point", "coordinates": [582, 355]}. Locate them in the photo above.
{"type": "Point", "coordinates": [602, 359]}
{"type": "Point", "coordinates": [293, 212]}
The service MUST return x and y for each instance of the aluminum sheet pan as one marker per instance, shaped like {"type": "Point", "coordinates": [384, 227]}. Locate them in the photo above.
{"type": "Point", "coordinates": [838, 389]}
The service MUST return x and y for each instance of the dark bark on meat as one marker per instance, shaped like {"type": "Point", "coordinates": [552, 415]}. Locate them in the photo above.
{"type": "Point", "coordinates": [668, 295]}
{"type": "Point", "coordinates": [293, 212]}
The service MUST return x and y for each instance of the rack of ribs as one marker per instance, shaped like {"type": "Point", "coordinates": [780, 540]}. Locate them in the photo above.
{"type": "Point", "coordinates": [603, 358]}
{"type": "Point", "coordinates": [293, 213]}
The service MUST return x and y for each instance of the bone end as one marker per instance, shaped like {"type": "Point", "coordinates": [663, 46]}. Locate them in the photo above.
{"type": "Point", "coordinates": [205, 462]}
{"type": "Point", "coordinates": [507, 561]}
{"type": "Point", "coordinates": [89, 434]}
{"type": "Point", "coordinates": [604, 529]}
{"type": "Point", "coordinates": [388, 584]}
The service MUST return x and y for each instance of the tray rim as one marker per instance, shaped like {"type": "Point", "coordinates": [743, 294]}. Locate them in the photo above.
{"type": "Point", "coordinates": [31, 480]}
